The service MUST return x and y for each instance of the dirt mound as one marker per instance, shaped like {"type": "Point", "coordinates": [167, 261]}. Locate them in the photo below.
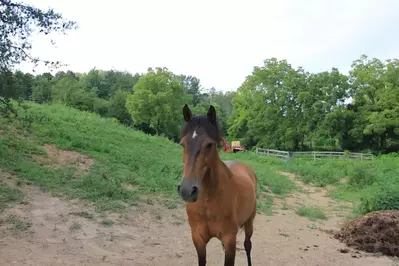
{"type": "Point", "coordinates": [373, 232]}
{"type": "Point", "coordinates": [57, 158]}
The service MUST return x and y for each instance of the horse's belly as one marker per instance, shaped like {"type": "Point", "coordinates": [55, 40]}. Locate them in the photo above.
{"type": "Point", "coordinates": [246, 204]}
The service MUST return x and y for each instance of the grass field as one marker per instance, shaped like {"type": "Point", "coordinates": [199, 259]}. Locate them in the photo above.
{"type": "Point", "coordinates": [370, 185]}
{"type": "Point", "coordinates": [130, 165]}
{"type": "Point", "coordinates": [108, 188]}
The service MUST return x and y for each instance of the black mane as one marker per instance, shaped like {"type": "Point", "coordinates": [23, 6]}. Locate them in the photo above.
{"type": "Point", "coordinates": [202, 121]}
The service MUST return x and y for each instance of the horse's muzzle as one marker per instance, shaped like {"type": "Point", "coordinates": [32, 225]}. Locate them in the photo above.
{"type": "Point", "coordinates": [189, 189]}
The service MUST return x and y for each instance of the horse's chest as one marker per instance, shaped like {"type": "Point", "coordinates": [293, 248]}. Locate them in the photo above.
{"type": "Point", "coordinates": [218, 217]}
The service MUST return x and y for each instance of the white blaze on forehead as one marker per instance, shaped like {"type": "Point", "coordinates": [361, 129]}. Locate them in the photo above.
{"type": "Point", "coordinates": [195, 134]}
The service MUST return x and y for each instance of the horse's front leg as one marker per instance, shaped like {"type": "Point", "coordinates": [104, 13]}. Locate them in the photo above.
{"type": "Point", "coordinates": [229, 242]}
{"type": "Point", "coordinates": [200, 240]}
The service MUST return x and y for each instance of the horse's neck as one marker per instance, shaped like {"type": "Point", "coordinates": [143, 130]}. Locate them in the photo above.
{"type": "Point", "coordinates": [219, 174]}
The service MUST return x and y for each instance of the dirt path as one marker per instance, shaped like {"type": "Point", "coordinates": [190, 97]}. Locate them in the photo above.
{"type": "Point", "coordinates": [49, 231]}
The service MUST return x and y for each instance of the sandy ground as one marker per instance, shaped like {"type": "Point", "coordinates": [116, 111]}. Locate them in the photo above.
{"type": "Point", "coordinates": [46, 230]}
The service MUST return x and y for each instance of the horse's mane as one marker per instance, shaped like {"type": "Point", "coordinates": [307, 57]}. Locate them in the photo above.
{"type": "Point", "coordinates": [202, 121]}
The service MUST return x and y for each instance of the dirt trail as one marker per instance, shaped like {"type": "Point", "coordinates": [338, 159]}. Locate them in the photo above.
{"type": "Point", "coordinates": [61, 232]}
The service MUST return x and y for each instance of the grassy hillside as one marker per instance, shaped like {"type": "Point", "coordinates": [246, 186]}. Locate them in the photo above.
{"type": "Point", "coordinates": [130, 166]}
{"type": "Point", "coordinates": [127, 164]}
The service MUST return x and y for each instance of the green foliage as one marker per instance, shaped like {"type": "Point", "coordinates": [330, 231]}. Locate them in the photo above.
{"type": "Point", "coordinates": [383, 196]}
{"type": "Point", "coordinates": [8, 196]}
{"type": "Point", "coordinates": [128, 163]}
{"type": "Point", "coordinates": [376, 97]}
{"type": "Point", "coordinates": [371, 185]}
{"type": "Point", "coordinates": [312, 213]}
{"type": "Point", "coordinates": [17, 23]}
{"type": "Point", "coordinates": [319, 173]}
{"type": "Point", "coordinates": [157, 101]}
{"type": "Point", "coordinates": [265, 168]}
{"type": "Point", "coordinates": [106, 92]}
{"type": "Point", "coordinates": [380, 186]}
{"type": "Point", "coordinates": [276, 107]}
{"type": "Point", "coordinates": [118, 108]}
{"type": "Point", "coordinates": [41, 91]}
{"type": "Point", "coordinates": [286, 108]}
{"type": "Point", "coordinates": [361, 175]}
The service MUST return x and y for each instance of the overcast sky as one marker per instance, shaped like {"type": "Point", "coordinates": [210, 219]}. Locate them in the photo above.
{"type": "Point", "coordinates": [221, 41]}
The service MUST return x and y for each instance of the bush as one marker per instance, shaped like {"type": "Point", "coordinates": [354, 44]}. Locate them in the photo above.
{"type": "Point", "coordinates": [379, 197]}
{"type": "Point", "coordinates": [361, 175]}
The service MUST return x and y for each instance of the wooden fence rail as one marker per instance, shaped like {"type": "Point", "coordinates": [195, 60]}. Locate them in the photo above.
{"type": "Point", "coordinates": [286, 155]}
{"type": "Point", "coordinates": [276, 153]}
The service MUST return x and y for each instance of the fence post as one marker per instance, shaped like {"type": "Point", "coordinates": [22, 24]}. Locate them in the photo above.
{"type": "Point", "coordinates": [268, 152]}
{"type": "Point", "coordinates": [361, 157]}
{"type": "Point", "coordinates": [256, 149]}
{"type": "Point", "coordinates": [314, 157]}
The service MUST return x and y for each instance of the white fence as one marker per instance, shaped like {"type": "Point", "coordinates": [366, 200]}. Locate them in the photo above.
{"type": "Point", "coordinates": [285, 155]}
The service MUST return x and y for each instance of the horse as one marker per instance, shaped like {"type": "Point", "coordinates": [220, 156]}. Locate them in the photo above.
{"type": "Point", "coordinates": [220, 195]}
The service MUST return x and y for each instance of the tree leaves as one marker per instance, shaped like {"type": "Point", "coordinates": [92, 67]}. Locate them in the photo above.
{"type": "Point", "coordinates": [17, 23]}
{"type": "Point", "coordinates": [157, 101]}
{"type": "Point", "coordinates": [281, 107]}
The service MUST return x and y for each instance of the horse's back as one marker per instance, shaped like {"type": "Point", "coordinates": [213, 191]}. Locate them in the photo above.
{"type": "Point", "coordinates": [244, 180]}
{"type": "Point", "coordinates": [242, 171]}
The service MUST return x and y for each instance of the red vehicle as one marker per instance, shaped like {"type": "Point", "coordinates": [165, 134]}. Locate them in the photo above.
{"type": "Point", "coordinates": [235, 146]}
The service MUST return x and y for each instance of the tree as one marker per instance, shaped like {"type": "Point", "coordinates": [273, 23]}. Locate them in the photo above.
{"type": "Point", "coordinates": [41, 91]}
{"type": "Point", "coordinates": [375, 89]}
{"type": "Point", "coordinates": [266, 110]}
{"type": "Point", "coordinates": [324, 93]}
{"type": "Point", "coordinates": [157, 101]}
{"type": "Point", "coordinates": [17, 23]}
{"type": "Point", "coordinates": [192, 87]}
{"type": "Point", "coordinates": [118, 109]}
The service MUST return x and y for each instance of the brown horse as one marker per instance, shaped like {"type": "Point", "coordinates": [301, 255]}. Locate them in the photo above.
{"type": "Point", "coordinates": [220, 196]}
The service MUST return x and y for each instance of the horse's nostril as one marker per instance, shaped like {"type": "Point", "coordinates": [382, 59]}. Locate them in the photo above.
{"type": "Point", "coordinates": [195, 191]}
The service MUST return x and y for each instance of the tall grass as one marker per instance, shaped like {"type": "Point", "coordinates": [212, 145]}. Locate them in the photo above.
{"type": "Point", "coordinates": [371, 185]}
{"type": "Point", "coordinates": [123, 156]}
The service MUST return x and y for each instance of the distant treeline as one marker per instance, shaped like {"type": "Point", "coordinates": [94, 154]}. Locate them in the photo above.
{"type": "Point", "coordinates": [276, 107]}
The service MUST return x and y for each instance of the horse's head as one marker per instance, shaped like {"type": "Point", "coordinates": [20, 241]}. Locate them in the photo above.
{"type": "Point", "coordinates": [200, 139]}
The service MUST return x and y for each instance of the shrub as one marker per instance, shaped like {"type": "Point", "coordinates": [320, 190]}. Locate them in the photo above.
{"type": "Point", "coordinates": [361, 175]}
{"type": "Point", "coordinates": [381, 197]}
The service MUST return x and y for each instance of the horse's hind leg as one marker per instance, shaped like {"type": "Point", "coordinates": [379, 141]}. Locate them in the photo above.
{"type": "Point", "coordinates": [249, 228]}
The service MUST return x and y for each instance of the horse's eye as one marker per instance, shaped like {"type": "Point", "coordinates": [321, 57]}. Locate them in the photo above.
{"type": "Point", "coordinates": [209, 145]}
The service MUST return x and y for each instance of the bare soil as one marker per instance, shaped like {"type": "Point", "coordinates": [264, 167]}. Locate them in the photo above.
{"type": "Point", "coordinates": [56, 158]}
{"type": "Point", "coordinates": [374, 232]}
{"type": "Point", "coordinates": [46, 230]}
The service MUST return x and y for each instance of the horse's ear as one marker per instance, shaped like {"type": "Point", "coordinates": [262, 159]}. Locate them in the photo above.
{"type": "Point", "coordinates": [212, 115]}
{"type": "Point", "coordinates": [186, 113]}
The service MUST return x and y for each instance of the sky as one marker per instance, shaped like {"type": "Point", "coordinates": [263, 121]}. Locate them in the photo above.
{"type": "Point", "coordinates": [220, 41]}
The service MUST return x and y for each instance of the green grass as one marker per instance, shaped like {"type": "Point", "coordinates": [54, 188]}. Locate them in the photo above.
{"type": "Point", "coordinates": [372, 185]}
{"type": "Point", "coordinates": [16, 224]}
{"type": "Point", "coordinates": [320, 173]}
{"type": "Point", "coordinates": [75, 226]}
{"type": "Point", "coordinates": [265, 168]}
{"type": "Point", "coordinates": [8, 196]}
{"type": "Point", "coordinates": [107, 222]}
{"type": "Point", "coordinates": [264, 205]}
{"type": "Point", "coordinates": [124, 159]}
{"type": "Point", "coordinates": [312, 213]}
